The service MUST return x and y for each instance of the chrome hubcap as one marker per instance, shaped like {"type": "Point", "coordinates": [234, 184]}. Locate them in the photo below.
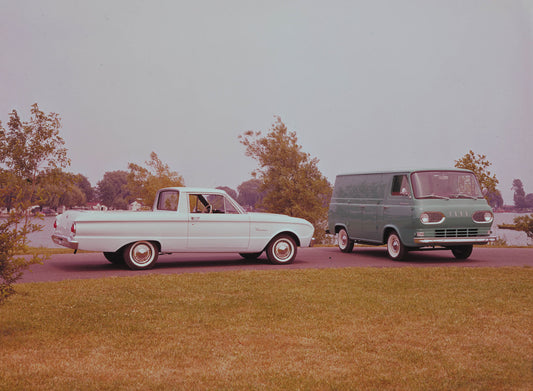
{"type": "Point", "coordinates": [141, 253]}
{"type": "Point", "coordinates": [283, 250]}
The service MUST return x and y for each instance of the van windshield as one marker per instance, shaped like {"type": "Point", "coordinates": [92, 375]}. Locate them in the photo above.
{"type": "Point", "coordinates": [445, 185]}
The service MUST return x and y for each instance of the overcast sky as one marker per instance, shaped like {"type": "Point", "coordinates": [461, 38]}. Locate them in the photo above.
{"type": "Point", "coordinates": [366, 85]}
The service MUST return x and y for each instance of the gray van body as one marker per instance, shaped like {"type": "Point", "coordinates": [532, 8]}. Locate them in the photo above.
{"type": "Point", "coordinates": [444, 208]}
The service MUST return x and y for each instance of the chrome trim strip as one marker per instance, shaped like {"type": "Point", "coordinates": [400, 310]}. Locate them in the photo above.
{"type": "Point", "coordinates": [479, 240]}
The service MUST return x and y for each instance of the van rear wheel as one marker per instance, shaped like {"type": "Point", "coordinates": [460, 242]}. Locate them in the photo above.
{"type": "Point", "coordinates": [395, 247]}
{"type": "Point", "coordinates": [345, 244]}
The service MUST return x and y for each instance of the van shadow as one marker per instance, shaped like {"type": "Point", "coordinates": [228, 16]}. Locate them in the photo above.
{"type": "Point", "coordinates": [416, 257]}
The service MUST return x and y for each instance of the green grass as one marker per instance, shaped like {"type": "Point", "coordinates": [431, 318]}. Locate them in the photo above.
{"type": "Point", "coordinates": [332, 329]}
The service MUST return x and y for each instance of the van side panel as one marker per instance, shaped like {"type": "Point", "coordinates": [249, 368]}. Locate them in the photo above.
{"type": "Point", "coordinates": [356, 204]}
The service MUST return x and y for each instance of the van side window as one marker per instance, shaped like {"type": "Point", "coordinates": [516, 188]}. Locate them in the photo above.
{"type": "Point", "coordinates": [400, 186]}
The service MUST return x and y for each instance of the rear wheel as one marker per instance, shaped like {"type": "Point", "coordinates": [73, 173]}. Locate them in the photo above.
{"type": "Point", "coordinates": [462, 252]}
{"type": "Point", "coordinates": [345, 244]}
{"type": "Point", "coordinates": [281, 250]}
{"type": "Point", "coordinates": [395, 247]}
{"type": "Point", "coordinates": [140, 255]}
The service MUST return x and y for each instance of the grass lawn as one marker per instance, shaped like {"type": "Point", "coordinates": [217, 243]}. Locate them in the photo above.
{"type": "Point", "coordinates": [331, 329]}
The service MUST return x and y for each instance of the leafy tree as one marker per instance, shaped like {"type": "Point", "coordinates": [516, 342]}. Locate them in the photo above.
{"type": "Point", "coordinates": [291, 181]}
{"type": "Point", "coordinates": [519, 194]}
{"type": "Point", "coordinates": [232, 193]}
{"type": "Point", "coordinates": [85, 186]}
{"type": "Point", "coordinates": [143, 182]}
{"type": "Point", "coordinates": [495, 199]}
{"type": "Point", "coordinates": [249, 193]}
{"type": "Point", "coordinates": [113, 189]}
{"type": "Point", "coordinates": [58, 188]}
{"type": "Point", "coordinates": [525, 223]}
{"type": "Point", "coordinates": [26, 150]}
{"type": "Point", "coordinates": [479, 165]}
{"type": "Point", "coordinates": [529, 200]}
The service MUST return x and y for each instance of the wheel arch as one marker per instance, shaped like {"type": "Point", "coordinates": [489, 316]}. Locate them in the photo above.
{"type": "Point", "coordinates": [153, 241]}
{"type": "Point", "coordinates": [289, 233]}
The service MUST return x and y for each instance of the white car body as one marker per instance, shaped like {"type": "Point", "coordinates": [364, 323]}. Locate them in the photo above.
{"type": "Point", "coordinates": [183, 220]}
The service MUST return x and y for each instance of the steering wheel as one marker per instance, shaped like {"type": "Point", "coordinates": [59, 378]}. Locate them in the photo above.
{"type": "Point", "coordinates": [208, 208]}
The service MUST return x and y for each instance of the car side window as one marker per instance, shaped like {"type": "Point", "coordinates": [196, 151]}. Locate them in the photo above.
{"type": "Point", "coordinates": [400, 186]}
{"type": "Point", "coordinates": [210, 203]}
{"type": "Point", "coordinates": [168, 200]}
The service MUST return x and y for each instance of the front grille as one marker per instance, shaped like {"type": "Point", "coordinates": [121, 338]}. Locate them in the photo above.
{"type": "Point", "coordinates": [456, 233]}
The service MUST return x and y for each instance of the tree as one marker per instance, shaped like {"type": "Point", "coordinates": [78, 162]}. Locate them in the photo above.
{"type": "Point", "coordinates": [529, 200]}
{"type": "Point", "coordinates": [249, 193]}
{"type": "Point", "coordinates": [143, 182]}
{"type": "Point", "coordinates": [232, 193]}
{"type": "Point", "coordinates": [290, 179]}
{"type": "Point", "coordinates": [519, 194]}
{"type": "Point", "coordinates": [26, 150]}
{"type": "Point", "coordinates": [479, 165]}
{"type": "Point", "coordinates": [525, 223]}
{"type": "Point", "coordinates": [58, 188]}
{"type": "Point", "coordinates": [85, 186]}
{"type": "Point", "coordinates": [113, 189]}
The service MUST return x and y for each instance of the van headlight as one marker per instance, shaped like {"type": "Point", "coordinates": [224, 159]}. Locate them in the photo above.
{"type": "Point", "coordinates": [432, 218]}
{"type": "Point", "coordinates": [483, 216]}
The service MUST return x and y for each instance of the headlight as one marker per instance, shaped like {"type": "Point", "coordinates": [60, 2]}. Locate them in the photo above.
{"type": "Point", "coordinates": [483, 216]}
{"type": "Point", "coordinates": [431, 218]}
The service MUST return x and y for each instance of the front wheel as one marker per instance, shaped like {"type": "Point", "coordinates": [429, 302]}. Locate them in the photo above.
{"type": "Point", "coordinates": [462, 252]}
{"type": "Point", "coordinates": [345, 244]}
{"type": "Point", "coordinates": [395, 247]}
{"type": "Point", "coordinates": [140, 255]}
{"type": "Point", "coordinates": [281, 250]}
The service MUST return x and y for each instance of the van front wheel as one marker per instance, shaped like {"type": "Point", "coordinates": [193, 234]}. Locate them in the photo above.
{"type": "Point", "coordinates": [395, 247]}
{"type": "Point", "coordinates": [462, 252]}
{"type": "Point", "coordinates": [345, 244]}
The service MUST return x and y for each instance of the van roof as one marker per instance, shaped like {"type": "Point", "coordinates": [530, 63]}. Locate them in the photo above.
{"type": "Point", "coordinates": [406, 171]}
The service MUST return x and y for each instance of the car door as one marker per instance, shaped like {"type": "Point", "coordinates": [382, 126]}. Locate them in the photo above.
{"type": "Point", "coordinates": [215, 224]}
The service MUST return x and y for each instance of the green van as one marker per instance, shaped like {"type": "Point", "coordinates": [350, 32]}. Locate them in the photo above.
{"type": "Point", "coordinates": [411, 210]}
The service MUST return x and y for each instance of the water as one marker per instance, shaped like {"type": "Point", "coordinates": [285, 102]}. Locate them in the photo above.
{"type": "Point", "coordinates": [513, 238]}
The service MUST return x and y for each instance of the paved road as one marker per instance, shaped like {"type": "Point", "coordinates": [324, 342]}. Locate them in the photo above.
{"type": "Point", "coordinates": [94, 265]}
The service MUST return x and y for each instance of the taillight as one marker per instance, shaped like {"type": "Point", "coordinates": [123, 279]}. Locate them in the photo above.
{"type": "Point", "coordinates": [55, 224]}
{"type": "Point", "coordinates": [73, 228]}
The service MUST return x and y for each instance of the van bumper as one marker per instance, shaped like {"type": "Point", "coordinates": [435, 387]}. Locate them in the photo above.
{"type": "Point", "coordinates": [454, 241]}
{"type": "Point", "coordinates": [65, 241]}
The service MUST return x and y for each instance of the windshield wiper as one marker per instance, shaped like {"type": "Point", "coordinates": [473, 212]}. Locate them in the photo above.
{"type": "Point", "coordinates": [461, 195]}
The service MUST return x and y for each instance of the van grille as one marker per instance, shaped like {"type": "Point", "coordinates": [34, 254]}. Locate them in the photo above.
{"type": "Point", "coordinates": [456, 233]}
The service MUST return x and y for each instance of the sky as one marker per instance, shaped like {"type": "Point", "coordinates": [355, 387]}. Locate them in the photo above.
{"type": "Point", "coordinates": [366, 85]}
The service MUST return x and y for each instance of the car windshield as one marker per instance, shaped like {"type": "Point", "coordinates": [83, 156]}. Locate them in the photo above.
{"type": "Point", "coordinates": [445, 185]}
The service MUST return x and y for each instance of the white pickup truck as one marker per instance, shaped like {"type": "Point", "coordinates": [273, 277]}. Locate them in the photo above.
{"type": "Point", "coordinates": [183, 220]}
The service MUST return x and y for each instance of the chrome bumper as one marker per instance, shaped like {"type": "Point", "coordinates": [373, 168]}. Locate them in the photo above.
{"type": "Point", "coordinates": [65, 241]}
{"type": "Point", "coordinates": [452, 241]}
